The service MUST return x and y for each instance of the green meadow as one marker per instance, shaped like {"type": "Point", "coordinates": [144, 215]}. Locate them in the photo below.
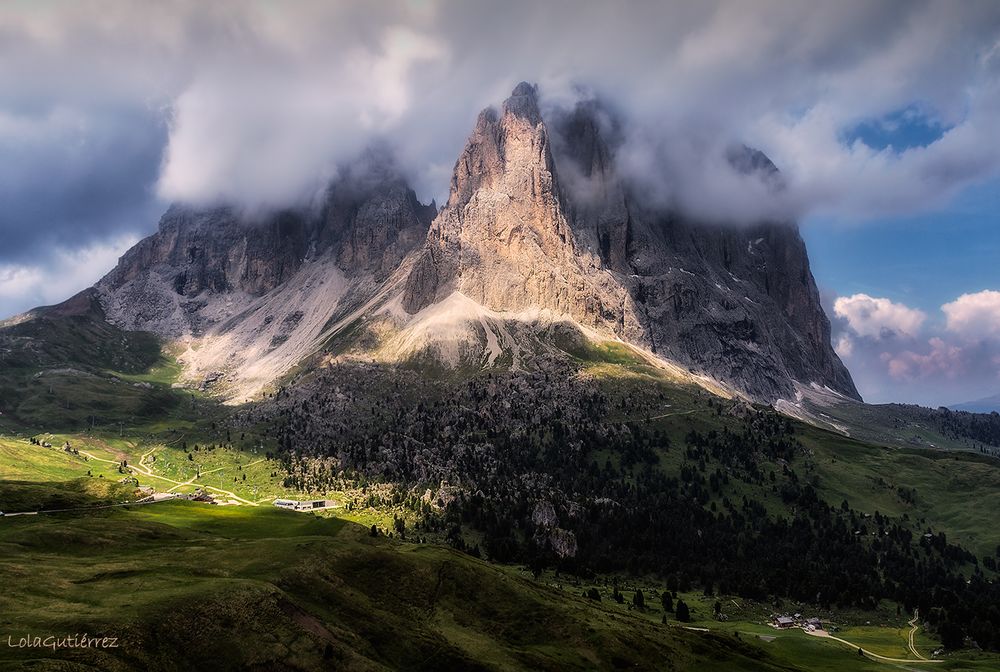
{"type": "Point", "coordinates": [183, 585]}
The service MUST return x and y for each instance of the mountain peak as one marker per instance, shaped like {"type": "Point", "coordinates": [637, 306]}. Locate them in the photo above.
{"type": "Point", "coordinates": [523, 103]}
{"type": "Point", "coordinates": [525, 89]}
{"type": "Point", "coordinates": [752, 162]}
{"type": "Point", "coordinates": [539, 220]}
{"type": "Point", "coordinates": [533, 225]}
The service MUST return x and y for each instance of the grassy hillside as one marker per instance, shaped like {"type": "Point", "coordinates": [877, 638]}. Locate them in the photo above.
{"type": "Point", "coordinates": [19, 496]}
{"type": "Point", "coordinates": [188, 586]}
{"type": "Point", "coordinates": [655, 480]}
{"type": "Point", "coordinates": [73, 333]}
{"type": "Point", "coordinates": [902, 425]}
{"type": "Point", "coordinates": [66, 368]}
{"type": "Point", "coordinates": [957, 493]}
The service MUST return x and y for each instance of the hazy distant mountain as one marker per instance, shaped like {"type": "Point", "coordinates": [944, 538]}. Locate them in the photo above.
{"type": "Point", "coordinates": [541, 244]}
{"type": "Point", "coordinates": [986, 405]}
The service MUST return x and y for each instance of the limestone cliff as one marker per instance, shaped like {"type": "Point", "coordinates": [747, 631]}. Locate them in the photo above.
{"type": "Point", "coordinates": [737, 303]}
{"type": "Point", "coordinates": [542, 236]}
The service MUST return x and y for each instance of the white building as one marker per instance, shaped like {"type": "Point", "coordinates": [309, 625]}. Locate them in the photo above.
{"type": "Point", "coordinates": [308, 505]}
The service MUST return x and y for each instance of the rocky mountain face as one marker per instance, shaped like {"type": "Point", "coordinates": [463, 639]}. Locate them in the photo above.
{"type": "Point", "coordinates": [203, 265]}
{"type": "Point", "coordinates": [540, 229]}
{"type": "Point", "coordinates": [245, 297]}
{"type": "Point", "coordinates": [737, 303]}
{"type": "Point", "coordinates": [504, 239]}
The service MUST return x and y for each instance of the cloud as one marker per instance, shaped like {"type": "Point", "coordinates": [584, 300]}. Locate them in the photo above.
{"type": "Point", "coordinates": [262, 100]}
{"type": "Point", "coordinates": [844, 346]}
{"type": "Point", "coordinates": [269, 132]}
{"type": "Point", "coordinates": [941, 359]}
{"type": "Point", "coordinates": [975, 315]}
{"type": "Point", "coordinates": [62, 274]}
{"type": "Point", "coordinates": [896, 353]}
{"type": "Point", "coordinates": [878, 317]}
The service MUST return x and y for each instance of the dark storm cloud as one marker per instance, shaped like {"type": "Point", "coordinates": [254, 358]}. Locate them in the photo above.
{"type": "Point", "coordinates": [68, 177]}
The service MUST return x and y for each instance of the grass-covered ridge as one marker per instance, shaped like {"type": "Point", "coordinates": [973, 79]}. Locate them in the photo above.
{"type": "Point", "coordinates": [188, 586]}
{"type": "Point", "coordinates": [596, 463]}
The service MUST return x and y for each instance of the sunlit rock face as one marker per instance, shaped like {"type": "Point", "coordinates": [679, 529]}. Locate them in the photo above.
{"type": "Point", "coordinates": [541, 233]}
{"type": "Point", "coordinates": [504, 238]}
{"type": "Point", "coordinates": [540, 217]}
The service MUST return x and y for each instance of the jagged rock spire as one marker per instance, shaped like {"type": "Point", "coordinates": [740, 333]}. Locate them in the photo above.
{"type": "Point", "coordinates": [523, 103]}
{"type": "Point", "coordinates": [504, 240]}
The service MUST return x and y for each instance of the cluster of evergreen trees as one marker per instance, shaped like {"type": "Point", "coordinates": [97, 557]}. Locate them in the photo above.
{"type": "Point", "coordinates": [980, 430]}
{"type": "Point", "coordinates": [553, 471]}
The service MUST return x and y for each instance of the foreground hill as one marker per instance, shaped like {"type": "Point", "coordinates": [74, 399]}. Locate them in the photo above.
{"type": "Point", "coordinates": [187, 586]}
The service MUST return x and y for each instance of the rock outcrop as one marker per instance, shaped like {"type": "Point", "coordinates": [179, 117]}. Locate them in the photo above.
{"type": "Point", "coordinates": [203, 266]}
{"type": "Point", "coordinates": [504, 240]}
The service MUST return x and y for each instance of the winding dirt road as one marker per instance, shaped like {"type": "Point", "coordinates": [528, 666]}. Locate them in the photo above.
{"type": "Point", "coordinates": [145, 471]}
{"type": "Point", "coordinates": [920, 660]}
{"type": "Point", "coordinates": [913, 631]}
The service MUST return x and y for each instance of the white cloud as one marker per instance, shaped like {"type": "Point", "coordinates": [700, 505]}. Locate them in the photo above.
{"type": "Point", "coordinates": [265, 98]}
{"type": "Point", "coordinates": [878, 317]}
{"type": "Point", "coordinates": [941, 359]}
{"type": "Point", "coordinates": [844, 347]}
{"type": "Point", "coordinates": [269, 130]}
{"type": "Point", "coordinates": [57, 275]}
{"type": "Point", "coordinates": [975, 316]}
{"type": "Point", "coordinates": [958, 360]}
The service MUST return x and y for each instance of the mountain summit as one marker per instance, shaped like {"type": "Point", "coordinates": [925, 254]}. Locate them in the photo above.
{"type": "Point", "coordinates": [736, 303]}
{"type": "Point", "coordinates": [542, 244]}
{"type": "Point", "coordinates": [505, 239]}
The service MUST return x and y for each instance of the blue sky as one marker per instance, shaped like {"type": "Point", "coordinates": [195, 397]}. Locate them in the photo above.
{"type": "Point", "coordinates": [899, 130]}
{"type": "Point", "coordinates": [921, 260]}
